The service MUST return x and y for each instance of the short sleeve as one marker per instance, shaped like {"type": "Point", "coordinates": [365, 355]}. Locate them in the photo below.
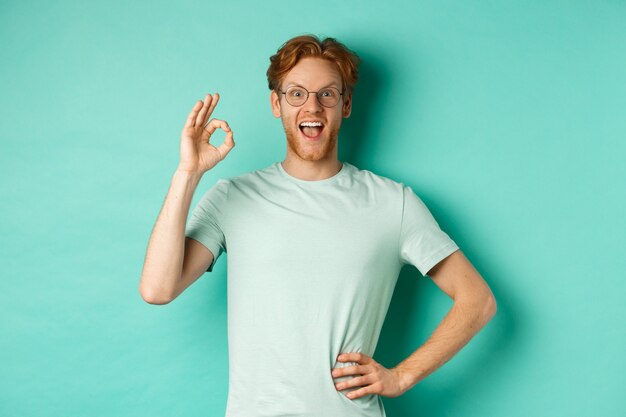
{"type": "Point", "coordinates": [422, 242]}
{"type": "Point", "coordinates": [206, 220]}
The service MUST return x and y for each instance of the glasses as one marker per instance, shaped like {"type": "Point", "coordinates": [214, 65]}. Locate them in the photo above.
{"type": "Point", "coordinates": [297, 96]}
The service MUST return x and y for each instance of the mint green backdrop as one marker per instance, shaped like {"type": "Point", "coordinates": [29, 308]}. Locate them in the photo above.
{"type": "Point", "coordinates": [507, 118]}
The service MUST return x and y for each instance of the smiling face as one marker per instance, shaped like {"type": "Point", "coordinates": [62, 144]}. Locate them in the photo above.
{"type": "Point", "coordinates": [313, 74]}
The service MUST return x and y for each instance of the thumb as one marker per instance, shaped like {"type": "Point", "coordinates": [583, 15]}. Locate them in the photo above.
{"type": "Point", "coordinates": [227, 145]}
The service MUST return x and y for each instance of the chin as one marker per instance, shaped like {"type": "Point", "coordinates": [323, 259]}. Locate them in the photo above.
{"type": "Point", "coordinates": [311, 152]}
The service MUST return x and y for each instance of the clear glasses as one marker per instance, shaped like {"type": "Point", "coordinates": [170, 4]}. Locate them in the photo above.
{"type": "Point", "coordinates": [297, 96]}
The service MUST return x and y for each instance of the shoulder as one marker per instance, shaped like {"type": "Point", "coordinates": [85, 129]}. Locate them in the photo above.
{"type": "Point", "coordinates": [251, 178]}
{"type": "Point", "coordinates": [375, 180]}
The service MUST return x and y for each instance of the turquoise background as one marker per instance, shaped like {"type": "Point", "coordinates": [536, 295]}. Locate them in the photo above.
{"type": "Point", "coordinates": [507, 118]}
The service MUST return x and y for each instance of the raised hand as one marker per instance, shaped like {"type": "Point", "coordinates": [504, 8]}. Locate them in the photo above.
{"type": "Point", "coordinates": [197, 154]}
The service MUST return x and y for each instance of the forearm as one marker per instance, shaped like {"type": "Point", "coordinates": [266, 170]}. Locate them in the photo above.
{"type": "Point", "coordinates": [456, 329]}
{"type": "Point", "coordinates": [164, 255]}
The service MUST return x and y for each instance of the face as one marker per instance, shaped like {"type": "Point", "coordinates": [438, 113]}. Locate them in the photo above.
{"type": "Point", "coordinates": [313, 74]}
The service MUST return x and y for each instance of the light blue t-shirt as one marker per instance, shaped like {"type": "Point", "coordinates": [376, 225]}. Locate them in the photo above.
{"type": "Point", "coordinates": [312, 266]}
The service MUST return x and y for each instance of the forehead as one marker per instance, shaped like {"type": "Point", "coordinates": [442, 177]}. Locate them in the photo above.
{"type": "Point", "coordinates": [313, 72]}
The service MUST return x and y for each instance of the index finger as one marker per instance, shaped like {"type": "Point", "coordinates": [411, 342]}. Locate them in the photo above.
{"type": "Point", "coordinates": [214, 124]}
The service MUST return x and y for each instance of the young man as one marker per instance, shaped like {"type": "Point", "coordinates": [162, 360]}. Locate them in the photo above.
{"type": "Point", "coordinates": [314, 247]}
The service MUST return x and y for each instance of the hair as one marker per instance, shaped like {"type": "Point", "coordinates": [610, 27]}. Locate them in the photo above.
{"type": "Point", "coordinates": [294, 49]}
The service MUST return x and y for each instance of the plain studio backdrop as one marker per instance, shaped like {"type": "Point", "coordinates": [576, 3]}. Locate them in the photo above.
{"type": "Point", "coordinates": [506, 118]}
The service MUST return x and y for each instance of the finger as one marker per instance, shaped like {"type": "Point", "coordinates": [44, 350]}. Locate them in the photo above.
{"type": "Point", "coordinates": [216, 98]}
{"type": "Point", "coordinates": [353, 357]}
{"type": "Point", "coordinates": [350, 370]}
{"type": "Point", "coordinates": [227, 145]}
{"type": "Point", "coordinates": [210, 105]}
{"type": "Point", "coordinates": [354, 382]}
{"type": "Point", "coordinates": [359, 392]}
{"type": "Point", "coordinates": [193, 114]}
{"type": "Point", "coordinates": [347, 357]}
{"type": "Point", "coordinates": [338, 372]}
{"type": "Point", "coordinates": [214, 124]}
{"type": "Point", "coordinates": [205, 107]}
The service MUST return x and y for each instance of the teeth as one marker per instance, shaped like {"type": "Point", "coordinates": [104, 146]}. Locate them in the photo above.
{"type": "Point", "coordinates": [310, 124]}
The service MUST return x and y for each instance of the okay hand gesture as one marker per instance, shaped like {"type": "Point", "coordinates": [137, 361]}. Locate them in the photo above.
{"type": "Point", "coordinates": [197, 154]}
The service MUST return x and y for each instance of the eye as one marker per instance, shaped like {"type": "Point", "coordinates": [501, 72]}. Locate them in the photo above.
{"type": "Point", "coordinates": [327, 93]}
{"type": "Point", "coordinates": [296, 92]}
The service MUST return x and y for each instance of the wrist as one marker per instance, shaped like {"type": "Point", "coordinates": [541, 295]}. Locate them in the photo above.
{"type": "Point", "coordinates": [406, 379]}
{"type": "Point", "coordinates": [189, 175]}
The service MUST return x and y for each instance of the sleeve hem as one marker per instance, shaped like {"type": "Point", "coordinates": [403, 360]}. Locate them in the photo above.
{"type": "Point", "coordinates": [212, 245]}
{"type": "Point", "coordinates": [437, 257]}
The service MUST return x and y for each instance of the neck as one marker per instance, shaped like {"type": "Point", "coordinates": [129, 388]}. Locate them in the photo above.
{"type": "Point", "coordinates": [311, 170]}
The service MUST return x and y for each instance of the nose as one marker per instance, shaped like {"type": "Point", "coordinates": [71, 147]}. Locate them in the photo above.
{"type": "Point", "coordinates": [312, 104]}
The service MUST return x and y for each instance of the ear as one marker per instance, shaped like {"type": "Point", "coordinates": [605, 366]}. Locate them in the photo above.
{"type": "Point", "coordinates": [347, 106]}
{"type": "Point", "coordinates": [275, 103]}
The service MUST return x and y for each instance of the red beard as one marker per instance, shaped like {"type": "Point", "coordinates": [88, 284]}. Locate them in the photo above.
{"type": "Point", "coordinates": [312, 151]}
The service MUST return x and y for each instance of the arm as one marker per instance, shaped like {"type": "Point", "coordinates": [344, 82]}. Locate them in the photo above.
{"type": "Point", "coordinates": [172, 261]}
{"type": "Point", "coordinates": [474, 305]}
{"type": "Point", "coordinates": [163, 277]}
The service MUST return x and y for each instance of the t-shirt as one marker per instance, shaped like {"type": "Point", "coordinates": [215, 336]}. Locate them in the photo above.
{"type": "Point", "coordinates": [311, 270]}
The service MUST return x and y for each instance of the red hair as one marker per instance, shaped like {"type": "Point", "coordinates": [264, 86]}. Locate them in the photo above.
{"type": "Point", "coordinates": [294, 49]}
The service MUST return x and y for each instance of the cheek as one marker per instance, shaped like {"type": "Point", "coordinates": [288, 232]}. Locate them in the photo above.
{"type": "Point", "coordinates": [289, 122]}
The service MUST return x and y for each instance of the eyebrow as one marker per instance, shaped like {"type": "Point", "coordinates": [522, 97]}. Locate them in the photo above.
{"type": "Point", "coordinates": [333, 84]}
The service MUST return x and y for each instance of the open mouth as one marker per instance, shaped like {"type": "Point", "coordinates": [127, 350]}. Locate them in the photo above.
{"type": "Point", "coordinates": [311, 130]}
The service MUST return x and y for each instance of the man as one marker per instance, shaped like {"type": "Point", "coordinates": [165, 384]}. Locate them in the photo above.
{"type": "Point", "coordinates": [314, 247]}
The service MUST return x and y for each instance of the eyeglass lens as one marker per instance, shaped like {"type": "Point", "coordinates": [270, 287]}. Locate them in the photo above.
{"type": "Point", "coordinates": [297, 96]}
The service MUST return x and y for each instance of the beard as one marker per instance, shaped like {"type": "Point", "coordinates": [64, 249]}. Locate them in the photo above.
{"type": "Point", "coordinates": [313, 151]}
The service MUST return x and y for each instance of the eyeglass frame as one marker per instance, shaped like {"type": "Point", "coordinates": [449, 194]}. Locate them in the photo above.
{"type": "Point", "coordinates": [308, 93]}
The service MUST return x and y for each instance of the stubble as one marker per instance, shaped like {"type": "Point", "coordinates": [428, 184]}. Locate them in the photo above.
{"type": "Point", "coordinates": [313, 151]}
